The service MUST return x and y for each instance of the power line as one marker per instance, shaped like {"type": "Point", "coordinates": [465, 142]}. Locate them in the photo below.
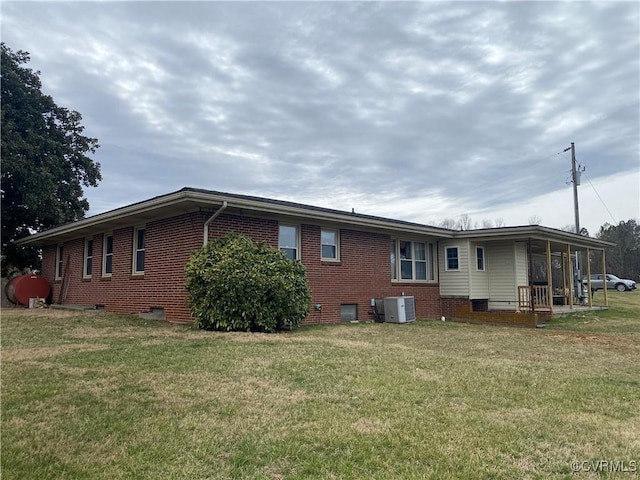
{"type": "Point", "coordinates": [601, 200]}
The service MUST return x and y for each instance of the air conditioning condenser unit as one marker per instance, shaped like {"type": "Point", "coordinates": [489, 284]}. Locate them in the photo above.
{"type": "Point", "coordinates": [399, 309]}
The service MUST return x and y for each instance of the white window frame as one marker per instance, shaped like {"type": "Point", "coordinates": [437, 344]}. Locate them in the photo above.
{"type": "Point", "coordinates": [88, 256]}
{"type": "Point", "coordinates": [483, 257]}
{"type": "Point", "coordinates": [396, 261]}
{"type": "Point", "coordinates": [59, 260]}
{"type": "Point", "coordinates": [105, 255]}
{"type": "Point", "coordinates": [134, 265]}
{"type": "Point", "coordinates": [336, 232]}
{"type": "Point", "coordinates": [289, 247]}
{"type": "Point", "coordinates": [446, 258]}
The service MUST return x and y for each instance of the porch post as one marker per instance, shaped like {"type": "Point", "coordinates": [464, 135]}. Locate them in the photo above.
{"type": "Point", "coordinates": [589, 279]}
{"type": "Point", "coordinates": [531, 292]}
{"type": "Point", "coordinates": [570, 272]}
{"type": "Point", "coordinates": [604, 279]}
{"type": "Point", "coordinates": [549, 276]}
{"type": "Point", "coordinates": [564, 274]}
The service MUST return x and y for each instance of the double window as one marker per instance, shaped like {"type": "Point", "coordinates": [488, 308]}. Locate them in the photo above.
{"type": "Point", "coordinates": [288, 241]}
{"type": "Point", "coordinates": [107, 255]}
{"type": "Point", "coordinates": [329, 244]}
{"type": "Point", "coordinates": [411, 260]}
{"type": "Point", "coordinates": [88, 258]}
{"type": "Point", "coordinates": [138, 250]}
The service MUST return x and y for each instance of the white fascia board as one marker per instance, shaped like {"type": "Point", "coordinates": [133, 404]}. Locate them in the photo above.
{"type": "Point", "coordinates": [208, 200]}
{"type": "Point", "coordinates": [534, 232]}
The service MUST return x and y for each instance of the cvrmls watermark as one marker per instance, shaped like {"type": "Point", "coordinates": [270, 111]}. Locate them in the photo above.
{"type": "Point", "coordinates": [609, 466]}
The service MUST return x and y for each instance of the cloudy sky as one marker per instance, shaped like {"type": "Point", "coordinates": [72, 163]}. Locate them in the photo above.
{"type": "Point", "coordinates": [419, 111]}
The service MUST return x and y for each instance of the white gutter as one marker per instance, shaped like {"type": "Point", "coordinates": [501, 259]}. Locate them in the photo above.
{"type": "Point", "coordinates": [205, 236]}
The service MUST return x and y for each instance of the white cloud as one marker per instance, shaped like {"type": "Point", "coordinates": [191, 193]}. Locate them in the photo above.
{"type": "Point", "coordinates": [415, 110]}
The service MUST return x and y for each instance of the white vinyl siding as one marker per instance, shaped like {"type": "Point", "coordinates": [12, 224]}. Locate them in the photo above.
{"type": "Point", "coordinates": [522, 265]}
{"type": "Point", "coordinates": [479, 284]}
{"type": "Point", "coordinates": [505, 274]}
{"type": "Point", "coordinates": [455, 282]}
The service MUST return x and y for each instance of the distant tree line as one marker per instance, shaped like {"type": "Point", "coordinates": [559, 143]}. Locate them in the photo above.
{"type": "Point", "coordinates": [622, 260]}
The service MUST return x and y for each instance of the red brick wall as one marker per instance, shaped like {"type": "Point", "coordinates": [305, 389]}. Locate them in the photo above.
{"type": "Point", "coordinates": [362, 273]}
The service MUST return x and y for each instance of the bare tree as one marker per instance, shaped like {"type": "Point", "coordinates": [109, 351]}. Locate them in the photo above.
{"type": "Point", "coordinates": [535, 220]}
{"type": "Point", "coordinates": [487, 224]}
{"type": "Point", "coordinates": [500, 222]}
{"type": "Point", "coordinates": [449, 223]}
{"type": "Point", "coordinates": [465, 222]}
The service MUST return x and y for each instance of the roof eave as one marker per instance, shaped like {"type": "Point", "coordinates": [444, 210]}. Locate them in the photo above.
{"type": "Point", "coordinates": [209, 199]}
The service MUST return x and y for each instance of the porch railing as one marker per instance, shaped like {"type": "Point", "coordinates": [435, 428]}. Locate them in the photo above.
{"type": "Point", "coordinates": [536, 297]}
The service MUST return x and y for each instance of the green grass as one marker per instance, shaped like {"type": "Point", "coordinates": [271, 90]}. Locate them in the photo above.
{"type": "Point", "coordinates": [113, 397]}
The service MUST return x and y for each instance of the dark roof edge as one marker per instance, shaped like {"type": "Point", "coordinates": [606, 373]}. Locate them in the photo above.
{"type": "Point", "coordinates": [254, 203]}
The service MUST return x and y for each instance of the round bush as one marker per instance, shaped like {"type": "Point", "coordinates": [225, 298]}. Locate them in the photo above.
{"type": "Point", "coordinates": [234, 284]}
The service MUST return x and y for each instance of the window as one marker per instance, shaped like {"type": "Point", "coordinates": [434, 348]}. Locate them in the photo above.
{"type": "Point", "coordinates": [452, 258]}
{"type": "Point", "coordinates": [394, 265]}
{"type": "Point", "coordinates": [88, 258]}
{"type": "Point", "coordinates": [480, 258]}
{"type": "Point", "coordinates": [329, 244]}
{"type": "Point", "coordinates": [59, 253]}
{"type": "Point", "coordinates": [288, 241]}
{"type": "Point", "coordinates": [107, 255]}
{"type": "Point", "coordinates": [138, 250]}
{"type": "Point", "coordinates": [411, 260]}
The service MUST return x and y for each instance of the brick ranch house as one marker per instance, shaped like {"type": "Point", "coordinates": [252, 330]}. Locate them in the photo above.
{"type": "Point", "coordinates": [132, 259]}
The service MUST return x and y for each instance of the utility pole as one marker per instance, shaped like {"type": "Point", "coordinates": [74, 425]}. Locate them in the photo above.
{"type": "Point", "coordinates": [575, 176]}
{"type": "Point", "coordinates": [575, 179]}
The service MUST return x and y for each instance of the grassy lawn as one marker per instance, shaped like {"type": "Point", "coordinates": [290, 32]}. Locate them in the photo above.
{"type": "Point", "coordinates": [101, 396]}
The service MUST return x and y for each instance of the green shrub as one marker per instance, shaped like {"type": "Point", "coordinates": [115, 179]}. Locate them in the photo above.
{"type": "Point", "coordinates": [234, 284]}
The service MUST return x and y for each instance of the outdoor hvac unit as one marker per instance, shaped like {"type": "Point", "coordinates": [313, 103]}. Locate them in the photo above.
{"type": "Point", "coordinates": [399, 309]}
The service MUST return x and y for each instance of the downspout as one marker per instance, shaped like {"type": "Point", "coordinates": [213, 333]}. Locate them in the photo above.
{"type": "Point", "coordinates": [205, 233]}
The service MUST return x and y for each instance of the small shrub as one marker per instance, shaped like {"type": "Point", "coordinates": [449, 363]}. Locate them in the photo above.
{"type": "Point", "coordinates": [234, 284]}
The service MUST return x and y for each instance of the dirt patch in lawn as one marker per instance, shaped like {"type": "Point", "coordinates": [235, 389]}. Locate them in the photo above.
{"type": "Point", "coordinates": [21, 354]}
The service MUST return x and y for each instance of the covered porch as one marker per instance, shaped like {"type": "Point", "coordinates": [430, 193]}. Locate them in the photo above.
{"type": "Point", "coordinates": [559, 275]}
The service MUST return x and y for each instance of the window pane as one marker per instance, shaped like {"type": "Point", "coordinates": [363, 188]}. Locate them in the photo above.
{"type": "Point", "coordinates": [328, 251]}
{"type": "Point", "coordinates": [289, 252]}
{"type": "Point", "coordinates": [480, 258]}
{"type": "Point", "coordinates": [59, 262]}
{"type": "Point", "coordinates": [109, 247]}
{"type": "Point", "coordinates": [89, 266]}
{"type": "Point", "coordinates": [406, 269]}
{"type": "Point", "coordinates": [328, 237]}
{"type": "Point", "coordinates": [405, 250]}
{"type": "Point", "coordinates": [420, 251]}
{"type": "Point", "coordinates": [140, 261]}
{"type": "Point", "coordinates": [421, 270]}
{"type": "Point", "coordinates": [394, 269]}
{"type": "Point", "coordinates": [431, 264]}
{"type": "Point", "coordinates": [89, 248]}
{"type": "Point", "coordinates": [288, 237]}
{"type": "Point", "coordinates": [108, 264]}
{"type": "Point", "coordinates": [452, 258]}
{"type": "Point", "coordinates": [140, 239]}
